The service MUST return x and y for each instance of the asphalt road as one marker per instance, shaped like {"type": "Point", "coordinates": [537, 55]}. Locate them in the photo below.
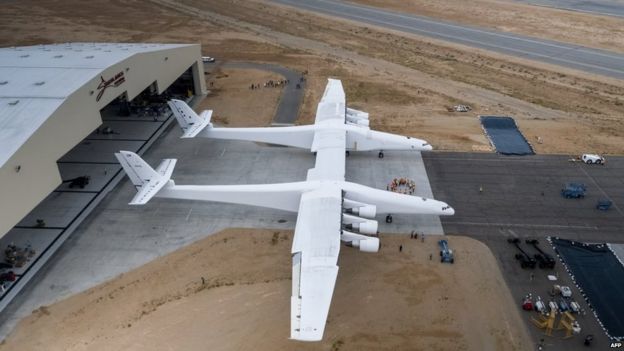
{"type": "Point", "coordinates": [521, 198]}
{"type": "Point", "coordinates": [567, 55]}
{"type": "Point", "coordinates": [521, 195]}
{"type": "Point", "coordinates": [598, 7]}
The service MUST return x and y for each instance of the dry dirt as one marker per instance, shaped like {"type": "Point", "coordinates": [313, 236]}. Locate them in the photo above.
{"type": "Point", "coordinates": [231, 291]}
{"type": "Point", "coordinates": [405, 81]}
{"type": "Point", "coordinates": [234, 104]}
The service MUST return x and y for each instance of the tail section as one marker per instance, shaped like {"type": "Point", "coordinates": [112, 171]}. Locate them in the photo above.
{"type": "Point", "coordinates": [147, 180]}
{"type": "Point", "coordinates": [189, 121]}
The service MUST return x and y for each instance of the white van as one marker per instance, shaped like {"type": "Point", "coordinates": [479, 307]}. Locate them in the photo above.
{"type": "Point", "coordinates": [592, 158]}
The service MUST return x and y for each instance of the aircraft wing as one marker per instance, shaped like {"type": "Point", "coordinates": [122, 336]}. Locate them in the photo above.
{"type": "Point", "coordinates": [314, 256]}
{"type": "Point", "coordinates": [333, 105]}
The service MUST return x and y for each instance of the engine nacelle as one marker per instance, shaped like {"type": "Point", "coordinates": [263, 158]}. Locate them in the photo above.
{"type": "Point", "coordinates": [368, 211]}
{"type": "Point", "coordinates": [365, 227]}
{"type": "Point", "coordinates": [360, 209]}
{"type": "Point", "coordinates": [356, 114]}
{"type": "Point", "coordinates": [369, 245]}
{"type": "Point", "coordinates": [364, 243]}
{"type": "Point", "coordinates": [358, 121]}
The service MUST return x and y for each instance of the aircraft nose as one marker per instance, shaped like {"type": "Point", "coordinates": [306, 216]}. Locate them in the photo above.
{"type": "Point", "coordinates": [448, 210]}
{"type": "Point", "coordinates": [426, 147]}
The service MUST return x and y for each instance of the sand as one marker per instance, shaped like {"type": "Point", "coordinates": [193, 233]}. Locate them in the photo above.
{"type": "Point", "coordinates": [234, 104]}
{"type": "Point", "coordinates": [231, 291]}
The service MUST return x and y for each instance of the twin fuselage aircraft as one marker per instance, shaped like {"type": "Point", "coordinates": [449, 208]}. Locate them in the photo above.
{"type": "Point", "coordinates": [330, 209]}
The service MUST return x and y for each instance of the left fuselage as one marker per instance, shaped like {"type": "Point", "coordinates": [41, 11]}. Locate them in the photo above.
{"type": "Point", "coordinates": [357, 138]}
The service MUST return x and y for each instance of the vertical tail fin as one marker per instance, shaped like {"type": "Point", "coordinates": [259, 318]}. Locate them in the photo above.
{"type": "Point", "coordinates": [188, 120]}
{"type": "Point", "coordinates": [147, 180]}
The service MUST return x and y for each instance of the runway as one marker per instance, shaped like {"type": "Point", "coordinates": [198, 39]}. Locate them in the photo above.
{"type": "Point", "coordinates": [596, 7]}
{"type": "Point", "coordinates": [567, 55]}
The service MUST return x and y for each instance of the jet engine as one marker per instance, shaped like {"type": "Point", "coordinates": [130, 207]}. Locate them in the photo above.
{"type": "Point", "coordinates": [359, 209]}
{"type": "Point", "coordinates": [364, 243]}
{"type": "Point", "coordinates": [365, 227]}
{"type": "Point", "coordinates": [356, 117]}
{"type": "Point", "coordinates": [356, 114]}
{"type": "Point", "coordinates": [358, 121]}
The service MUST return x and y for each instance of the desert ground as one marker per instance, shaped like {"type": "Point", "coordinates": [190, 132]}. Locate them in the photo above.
{"type": "Point", "coordinates": [234, 104]}
{"type": "Point", "coordinates": [406, 82]}
{"type": "Point", "coordinates": [231, 291]}
{"type": "Point", "coordinates": [510, 16]}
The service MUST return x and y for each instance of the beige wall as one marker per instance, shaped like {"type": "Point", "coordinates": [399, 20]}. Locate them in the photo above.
{"type": "Point", "coordinates": [78, 116]}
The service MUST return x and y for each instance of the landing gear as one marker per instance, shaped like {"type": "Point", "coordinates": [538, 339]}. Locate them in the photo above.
{"type": "Point", "coordinates": [389, 218]}
{"type": "Point", "coordinates": [381, 155]}
{"type": "Point", "coordinates": [347, 153]}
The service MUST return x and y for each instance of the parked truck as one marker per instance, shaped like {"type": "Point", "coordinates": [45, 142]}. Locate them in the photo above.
{"type": "Point", "coordinates": [544, 260]}
{"type": "Point", "coordinates": [446, 254]}
{"type": "Point", "coordinates": [573, 190]}
{"type": "Point", "coordinates": [526, 261]}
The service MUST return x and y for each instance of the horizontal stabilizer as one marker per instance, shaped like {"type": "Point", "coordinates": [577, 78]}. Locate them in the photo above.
{"type": "Point", "coordinates": [147, 181]}
{"type": "Point", "coordinates": [188, 120]}
{"type": "Point", "coordinates": [194, 129]}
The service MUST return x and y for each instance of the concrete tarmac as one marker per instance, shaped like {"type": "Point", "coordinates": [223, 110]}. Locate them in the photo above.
{"type": "Point", "coordinates": [521, 194]}
{"type": "Point", "coordinates": [521, 198]}
{"type": "Point", "coordinates": [577, 57]}
{"type": "Point", "coordinates": [117, 237]}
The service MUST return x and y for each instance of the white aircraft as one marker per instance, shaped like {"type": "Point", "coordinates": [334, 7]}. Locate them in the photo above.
{"type": "Point", "coordinates": [329, 208]}
{"type": "Point", "coordinates": [359, 137]}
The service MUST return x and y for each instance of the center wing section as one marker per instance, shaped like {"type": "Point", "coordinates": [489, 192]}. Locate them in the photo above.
{"type": "Point", "coordinates": [314, 254]}
{"type": "Point", "coordinates": [330, 146]}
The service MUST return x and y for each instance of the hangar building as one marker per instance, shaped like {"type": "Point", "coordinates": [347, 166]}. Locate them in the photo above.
{"type": "Point", "coordinates": [51, 98]}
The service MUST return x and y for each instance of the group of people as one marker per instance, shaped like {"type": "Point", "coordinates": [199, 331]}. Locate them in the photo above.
{"type": "Point", "coordinates": [402, 186]}
{"type": "Point", "coordinates": [271, 84]}
{"type": "Point", "coordinates": [278, 83]}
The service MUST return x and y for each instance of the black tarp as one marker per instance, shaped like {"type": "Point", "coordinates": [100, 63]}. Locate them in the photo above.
{"type": "Point", "coordinates": [505, 136]}
{"type": "Point", "coordinates": [600, 276]}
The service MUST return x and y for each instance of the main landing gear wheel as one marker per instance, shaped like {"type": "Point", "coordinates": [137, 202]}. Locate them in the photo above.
{"type": "Point", "coordinates": [381, 155]}
{"type": "Point", "coordinates": [389, 218]}
{"type": "Point", "coordinates": [347, 153]}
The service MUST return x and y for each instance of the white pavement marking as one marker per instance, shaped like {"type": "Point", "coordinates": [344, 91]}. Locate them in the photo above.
{"type": "Point", "coordinates": [521, 225]}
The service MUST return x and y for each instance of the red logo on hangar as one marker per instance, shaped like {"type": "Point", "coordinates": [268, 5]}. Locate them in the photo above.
{"type": "Point", "coordinates": [114, 81]}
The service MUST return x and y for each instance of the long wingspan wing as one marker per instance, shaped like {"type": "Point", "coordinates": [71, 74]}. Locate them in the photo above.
{"type": "Point", "coordinates": [315, 253]}
{"type": "Point", "coordinates": [333, 104]}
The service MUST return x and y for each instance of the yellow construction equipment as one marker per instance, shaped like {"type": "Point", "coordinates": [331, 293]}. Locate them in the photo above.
{"type": "Point", "coordinates": [569, 324]}
{"type": "Point", "coordinates": [546, 323]}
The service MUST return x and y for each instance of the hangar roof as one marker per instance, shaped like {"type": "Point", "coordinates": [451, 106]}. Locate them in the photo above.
{"type": "Point", "coordinates": [35, 81]}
